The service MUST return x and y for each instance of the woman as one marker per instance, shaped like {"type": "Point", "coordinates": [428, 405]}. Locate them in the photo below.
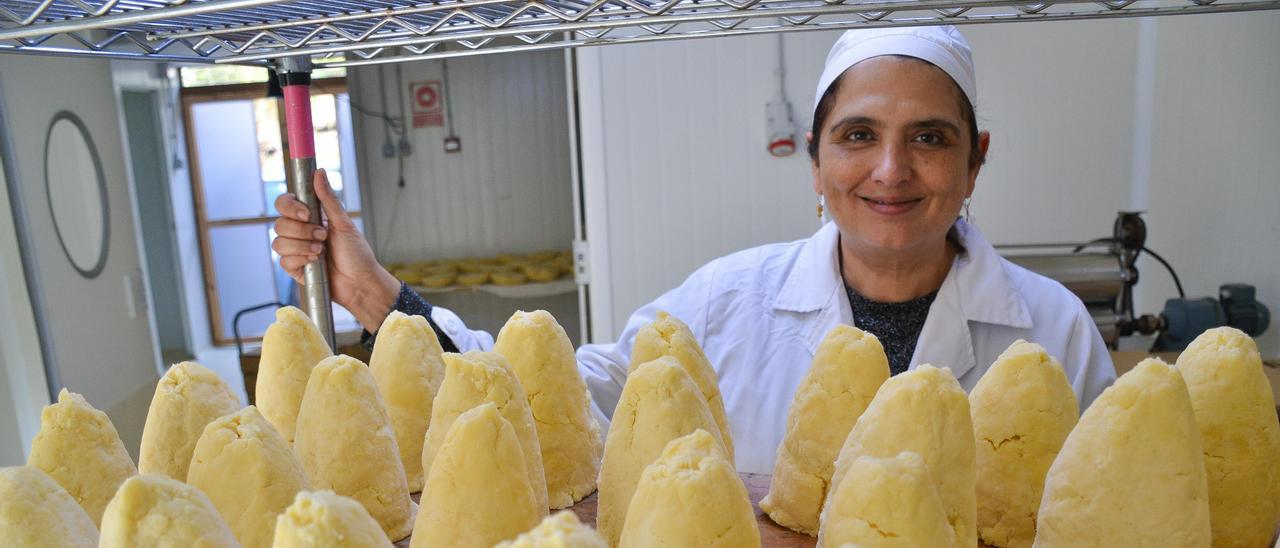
{"type": "Point", "coordinates": [895, 154]}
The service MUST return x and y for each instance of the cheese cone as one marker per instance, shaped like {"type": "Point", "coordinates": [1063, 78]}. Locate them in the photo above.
{"type": "Point", "coordinates": [668, 336]}
{"type": "Point", "coordinates": [36, 511]}
{"type": "Point", "coordinates": [559, 530]}
{"type": "Point", "coordinates": [1132, 471]}
{"type": "Point", "coordinates": [154, 510]}
{"type": "Point", "coordinates": [1236, 413]}
{"type": "Point", "coordinates": [659, 403]}
{"type": "Point", "coordinates": [187, 398]}
{"type": "Point", "coordinates": [407, 367]}
{"type": "Point", "coordinates": [923, 411]}
{"type": "Point", "coordinates": [249, 473]}
{"type": "Point", "coordinates": [291, 347]}
{"type": "Point", "coordinates": [691, 496]}
{"type": "Point", "coordinates": [79, 448]}
{"type": "Point", "coordinates": [886, 502]}
{"type": "Point", "coordinates": [475, 378]}
{"type": "Point", "coordinates": [848, 368]}
{"type": "Point", "coordinates": [1022, 408]}
{"type": "Point", "coordinates": [345, 443]}
{"type": "Point", "coordinates": [542, 357]}
{"type": "Point", "coordinates": [324, 519]}
{"type": "Point", "coordinates": [477, 492]}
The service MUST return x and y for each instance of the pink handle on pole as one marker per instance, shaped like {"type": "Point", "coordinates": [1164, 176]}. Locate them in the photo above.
{"type": "Point", "coordinates": [297, 119]}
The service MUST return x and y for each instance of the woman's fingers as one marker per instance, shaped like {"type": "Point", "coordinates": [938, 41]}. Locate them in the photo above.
{"type": "Point", "coordinates": [329, 202]}
{"type": "Point", "coordinates": [290, 228]}
{"type": "Point", "coordinates": [292, 265]}
{"type": "Point", "coordinates": [290, 247]}
{"type": "Point", "coordinates": [289, 206]}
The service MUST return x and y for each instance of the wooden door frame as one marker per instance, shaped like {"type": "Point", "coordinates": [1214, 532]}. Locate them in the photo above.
{"type": "Point", "coordinates": [189, 97]}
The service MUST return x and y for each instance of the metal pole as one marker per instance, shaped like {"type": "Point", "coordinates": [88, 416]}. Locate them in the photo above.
{"type": "Point", "coordinates": [295, 80]}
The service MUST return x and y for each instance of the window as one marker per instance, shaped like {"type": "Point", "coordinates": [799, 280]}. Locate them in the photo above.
{"type": "Point", "coordinates": [238, 168]}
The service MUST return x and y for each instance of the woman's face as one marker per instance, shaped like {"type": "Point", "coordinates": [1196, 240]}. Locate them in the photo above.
{"type": "Point", "coordinates": [894, 156]}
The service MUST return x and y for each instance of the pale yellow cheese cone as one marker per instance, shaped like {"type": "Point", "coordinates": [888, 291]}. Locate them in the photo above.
{"type": "Point", "coordinates": [291, 347]}
{"type": "Point", "coordinates": [926, 412]}
{"type": "Point", "coordinates": [478, 493]}
{"type": "Point", "coordinates": [324, 519]}
{"type": "Point", "coordinates": [1023, 408]}
{"type": "Point", "coordinates": [1131, 473]}
{"type": "Point", "coordinates": [475, 378]}
{"type": "Point", "coordinates": [155, 510]}
{"type": "Point", "coordinates": [249, 473]}
{"type": "Point", "coordinates": [36, 511]}
{"type": "Point", "coordinates": [345, 443]}
{"type": "Point", "coordinates": [691, 496]}
{"type": "Point", "coordinates": [848, 368]}
{"type": "Point", "coordinates": [188, 397]}
{"type": "Point", "coordinates": [79, 448]}
{"type": "Point", "coordinates": [1236, 413]}
{"type": "Point", "coordinates": [407, 366]}
{"type": "Point", "coordinates": [668, 336]}
{"type": "Point", "coordinates": [559, 530]}
{"type": "Point", "coordinates": [886, 502]}
{"type": "Point", "coordinates": [659, 403]}
{"type": "Point", "coordinates": [542, 357]}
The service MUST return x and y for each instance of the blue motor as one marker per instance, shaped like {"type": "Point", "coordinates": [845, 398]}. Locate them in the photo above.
{"type": "Point", "coordinates": [1182, 320]}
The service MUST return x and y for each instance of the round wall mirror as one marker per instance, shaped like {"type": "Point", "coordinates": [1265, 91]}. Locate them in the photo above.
{"type": "Point", "coordinates": [77, 194]}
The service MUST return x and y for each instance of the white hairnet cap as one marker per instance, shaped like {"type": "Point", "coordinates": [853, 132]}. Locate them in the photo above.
{"type": "Point", "coordinates": [942, 46]}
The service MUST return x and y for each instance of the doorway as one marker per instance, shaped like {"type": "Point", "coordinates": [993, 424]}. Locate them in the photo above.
{"type": "Point", "coordinates": [160, 248]}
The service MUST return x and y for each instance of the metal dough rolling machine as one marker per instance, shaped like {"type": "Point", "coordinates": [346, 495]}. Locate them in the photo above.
{"type": "Point", "coordinates": [1103, 273]}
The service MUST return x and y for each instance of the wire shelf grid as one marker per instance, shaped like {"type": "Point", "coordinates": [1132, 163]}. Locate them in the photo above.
{"type": "Point", "coordinates": [349, 32]}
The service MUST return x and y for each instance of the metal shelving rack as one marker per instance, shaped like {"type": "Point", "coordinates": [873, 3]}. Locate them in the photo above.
{"type": "Point", "coordinates": [358, 32]}
{"type": "Point", "coordinates": [296, 35]}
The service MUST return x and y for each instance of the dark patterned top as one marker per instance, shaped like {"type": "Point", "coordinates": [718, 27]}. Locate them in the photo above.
{"type": "Point", "coordinates": [411, 303]}
{"type": "Point", "coordinates": [897, 325]}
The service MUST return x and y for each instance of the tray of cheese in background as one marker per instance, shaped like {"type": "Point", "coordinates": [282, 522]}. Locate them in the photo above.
{"type": "Point", "coordinates": [536, 274]}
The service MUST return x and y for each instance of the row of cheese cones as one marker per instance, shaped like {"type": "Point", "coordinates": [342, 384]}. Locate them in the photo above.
{"type": "Point", "coordinates": [243, 484]}
{"type": "Point", "coordinates": [214, 474]}
{"type": "Point", "coordinates": [1168, 456]}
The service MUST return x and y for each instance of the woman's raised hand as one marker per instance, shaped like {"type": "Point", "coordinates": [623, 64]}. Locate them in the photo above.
{"type": "Point", "coordinates": [357, 281]}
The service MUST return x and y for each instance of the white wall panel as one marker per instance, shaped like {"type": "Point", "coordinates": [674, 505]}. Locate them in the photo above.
{"type": "Point", "coordinates": [1058, 99]}
{"type": "Point", "coordinates": [679, 173]}
{"type": "Point", "coordinates": [507, 191]}
{"type": "Point", "coordinates": [1215, 175]}
{"type": "Point", "coordinates": [98, 347]}
{"type": "Point", "coordinates": [21, 364]}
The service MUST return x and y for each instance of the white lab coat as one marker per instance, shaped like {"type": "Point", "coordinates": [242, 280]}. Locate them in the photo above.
{"type": "Point", "coordinates": [761, 313]}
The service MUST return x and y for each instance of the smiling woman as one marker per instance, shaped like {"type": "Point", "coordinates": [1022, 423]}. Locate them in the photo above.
{"type": "Point", "coordinates": [895, 152]}
{"type": "Point", "coordinates": [894, 169]}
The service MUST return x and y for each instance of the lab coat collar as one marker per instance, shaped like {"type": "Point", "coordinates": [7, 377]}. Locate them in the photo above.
{"type": "Point", "coordinates": [977, 288]}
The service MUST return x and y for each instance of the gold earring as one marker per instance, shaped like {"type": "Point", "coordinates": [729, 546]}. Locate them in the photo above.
{"type": "Point", "coordinates": [819, 208]}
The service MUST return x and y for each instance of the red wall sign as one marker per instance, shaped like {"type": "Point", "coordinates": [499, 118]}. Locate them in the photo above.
{"type": "Point", "coordinates": [427, 97]}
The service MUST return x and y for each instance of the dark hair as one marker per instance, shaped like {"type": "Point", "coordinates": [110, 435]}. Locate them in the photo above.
{"type": "Point", "coordinates": [828, 100]}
